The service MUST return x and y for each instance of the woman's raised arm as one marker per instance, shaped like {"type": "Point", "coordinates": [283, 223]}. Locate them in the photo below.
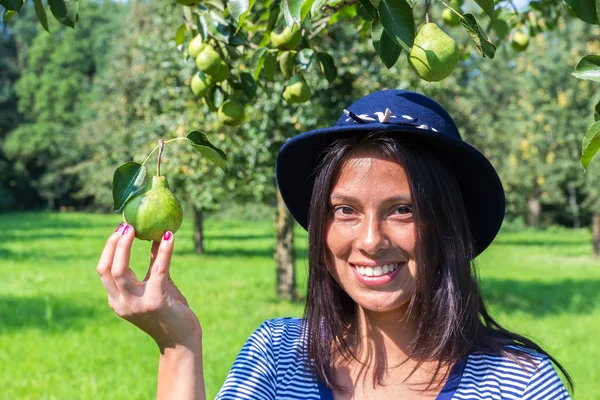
{"type": "Point", "coordinates": [157, 307]}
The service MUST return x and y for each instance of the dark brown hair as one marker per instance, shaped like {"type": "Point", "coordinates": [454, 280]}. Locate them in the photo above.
{"type": "Point", "coordinates": [452, 320]}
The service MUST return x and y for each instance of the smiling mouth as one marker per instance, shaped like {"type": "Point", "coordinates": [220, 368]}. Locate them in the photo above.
{"type": "Point", "coordinates": [376, 271]}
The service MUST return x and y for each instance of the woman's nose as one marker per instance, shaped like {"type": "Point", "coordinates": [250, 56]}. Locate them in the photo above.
{"type": "Point", "coordinates": [371, 236]}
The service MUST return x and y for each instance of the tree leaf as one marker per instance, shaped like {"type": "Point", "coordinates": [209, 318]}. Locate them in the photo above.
{"type": "Point", "coordinates": [8, 15]}
{"type": "Point", "coordinates": [40, 11]}
{"type": "Point", "coordinates": [12, 5]}
{"type": "Point", "coordinates": [270, 66]}
{"type": "Point", "coordinates": [306, 7]}
{"type": "Point", "coordinates": [386, 47]}
{"type": "Point", "coordinates": [478, 35]}
{"type": "Point", "coordinates": [180, 35]}
{"type": "Point", "coordinates": [239, 9]}
{"type": "Point", "coordinates": [127, 180]}
{"type": "Point", "coordinates": [370, 8]}
{"type": "Point", "coordinates": [397, 20]}
{"type": "Point", "coordinates": [65, 11]}
{"type": "Point", "coordinates": [292, 12]}
{"type": "Point", "coordinates": [248, 85]}
{"type": "Point", "coordinates": [586, 10]}
{"type": "Point", "coordinates": [487, 6]}
{"type": "Point", "coordinates": [258, 60]}
{"type": "Point", "coordinates": [588, 68]}
{"type": "Point", "coordinates": [200, 142]}
{"type": "Point", "coordinates": [590, 144]}
{"type": "Point", "coordinates": [597, 112]}
{"type": "Point", "coordinates": [327, 65]}
{"type": "Point", "coordinates": [274, 11]}
{"type": "Point", "coordinates": [304, 59]}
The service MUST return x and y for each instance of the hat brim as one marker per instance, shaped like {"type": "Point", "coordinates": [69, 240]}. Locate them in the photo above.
{"type": "Point", "coordinates": [479, 183]}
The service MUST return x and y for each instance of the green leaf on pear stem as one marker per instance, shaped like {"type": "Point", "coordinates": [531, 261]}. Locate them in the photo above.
{"type": "Point", "coordinates": [398, 21]}
{"type": "Point", "coordinates": [65, 11]}
{"type": "Point", "coordinates": [8, 15]}
{"type": "Point", "coordinates": [386, 47]}
{"type": "Point", "coordinates": [487, 6]}
{"type": "Point", "coordinates": [200, 142]}
{"type": "Point", "coordinates": [40, 11]}
{"type": "Point", "coordinates": [127, 180]}
{"type": "Point", "coordinates": [590, 144]}
{"type": "Point", "coordinates": [588, 68]}
{"type": "Point", "coordinates": [12, 5]}
{"type": "Point", "coordinates": [478, 35]}
{"type": "Point", "coordinates": [586, 10]}
{"type": "Point", "coordinates": [327, 65]}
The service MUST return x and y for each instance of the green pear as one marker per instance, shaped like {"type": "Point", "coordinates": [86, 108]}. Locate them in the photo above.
{"type": "Point", "coordinates": [286, 39]}
{"type": "Point", "coordinates": [297, 91]}
{"type": "Point", "coordinates": [208, 60]}
{"type": "Point", "coordinates": [154, 211]}
{"type": "Point", "coordinates": [231, 113]}
{"type": "Point", "coordinates": [200, 84]}
{"type": "Point", "coordinates": [434, 54]}
{"type": "Point", "coordinates": [196, 46]}
{"type": "Point", "coordinates": [520, 41]}
{"type": "Point", "coordinates": [221, 73]}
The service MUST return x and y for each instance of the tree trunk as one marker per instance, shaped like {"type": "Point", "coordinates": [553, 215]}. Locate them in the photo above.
{"type": "Point", "coordinates": [596, 233]}
{"type": "Point", "coordinates": [198, 230]}
{"type": "Point", "coordinates": [534, 209]}
{"type": "Point", "coordinates": [574, 206]}
{"type": "Point", "coordinates": [284, 252]}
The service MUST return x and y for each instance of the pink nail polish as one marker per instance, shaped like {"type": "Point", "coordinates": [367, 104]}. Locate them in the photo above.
{"type": "Point", "coordinates": [167, 236]}
{"type": "Point", "coordinates": [126, 229]}
{"type": "Point", "coordinates": [119, 227]}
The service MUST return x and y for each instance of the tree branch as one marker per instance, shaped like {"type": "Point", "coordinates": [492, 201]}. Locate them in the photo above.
{"type": "Point", "coordinates": [343, 4]}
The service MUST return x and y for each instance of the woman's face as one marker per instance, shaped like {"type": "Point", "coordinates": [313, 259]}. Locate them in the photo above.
{"type": "Point", "coordinates": [371, 236]}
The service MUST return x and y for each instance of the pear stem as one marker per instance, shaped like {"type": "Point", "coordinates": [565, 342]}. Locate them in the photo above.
{"type": "Point", "coordinates": [161, 145]}
{"type": "Point", "coordinates": [427, 2]}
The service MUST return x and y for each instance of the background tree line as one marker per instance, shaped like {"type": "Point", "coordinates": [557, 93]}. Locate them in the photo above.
{"type": "Point", "coordinates": [76, 104]}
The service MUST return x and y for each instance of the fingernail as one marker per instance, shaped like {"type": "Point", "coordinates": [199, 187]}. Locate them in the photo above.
{"type": "Point", "coordinates": [119, 227]}
{"type": "Point", "coordinates": [167, 236]}
{"type": "Point", "coordinates": [127, 227]}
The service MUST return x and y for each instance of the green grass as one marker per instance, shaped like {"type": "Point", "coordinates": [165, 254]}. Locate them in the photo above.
{"type": "Point", "coordinates": [60, 340]}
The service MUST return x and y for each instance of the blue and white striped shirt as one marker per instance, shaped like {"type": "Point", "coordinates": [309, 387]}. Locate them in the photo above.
{"type": "Point", "coordinates": [270, 367]}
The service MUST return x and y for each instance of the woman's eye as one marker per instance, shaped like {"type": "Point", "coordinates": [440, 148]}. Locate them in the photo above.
{"type": "Point", "coordinates": [344, 210]}
{"type": "Point", "coordinates": [403, 210]}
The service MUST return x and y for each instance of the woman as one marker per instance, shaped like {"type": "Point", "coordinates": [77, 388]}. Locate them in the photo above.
{"type": "Point", "coordinates": [396, 206]}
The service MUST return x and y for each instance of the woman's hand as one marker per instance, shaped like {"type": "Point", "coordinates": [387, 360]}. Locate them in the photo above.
{"type": "Point", "coordinates": [154, 305]}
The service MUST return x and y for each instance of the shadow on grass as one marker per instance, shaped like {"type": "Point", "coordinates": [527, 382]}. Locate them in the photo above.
{"type": "Point", "coordinates": [45, 312]}
{"type": "Point", "coordinates": [539, 242]}
{"type": "Point", "coordinates": [542, 298]}
{"type": "Point", "coordinates": [234, 238]}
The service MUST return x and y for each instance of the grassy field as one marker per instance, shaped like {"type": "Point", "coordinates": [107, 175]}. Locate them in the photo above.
{"type": "Point", "coordinates": [60, 340]}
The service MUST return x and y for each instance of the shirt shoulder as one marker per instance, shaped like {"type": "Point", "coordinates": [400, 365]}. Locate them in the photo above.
{"type": "Point", "coordinates": [524, 375]}
{"type": "Point", "coordinates": [272, 364]}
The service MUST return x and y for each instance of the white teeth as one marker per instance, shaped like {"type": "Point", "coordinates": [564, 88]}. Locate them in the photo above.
{"type": "Point", "coordinates": [376, 271]}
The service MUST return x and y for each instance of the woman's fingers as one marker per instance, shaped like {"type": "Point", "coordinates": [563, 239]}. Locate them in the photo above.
{"type": "Point", "coordinates": [104, 266]}
{"type": "Point", "coordinates": [123, 276]}
{"type": "Point", "coordinates": [153, 253]}
{"type": "Point", "coordinates": [160, 265]}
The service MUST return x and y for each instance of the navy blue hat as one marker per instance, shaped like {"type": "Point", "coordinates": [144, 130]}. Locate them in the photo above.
{"type": "Point", "coordinates": [405, 115]}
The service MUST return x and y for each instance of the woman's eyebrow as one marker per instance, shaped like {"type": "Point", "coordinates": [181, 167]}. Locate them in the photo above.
{"type": "Point", "coordinates": [400, 198]}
